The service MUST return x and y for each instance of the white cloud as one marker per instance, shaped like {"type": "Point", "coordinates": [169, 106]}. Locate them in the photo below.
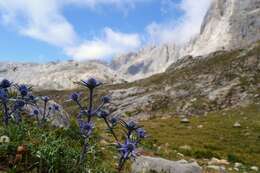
{"type": "Point", "coordinates": [110, 44]}
{"type": "Point", "coordinates": [38, 19]}
{"type": "Point", "coordinates": [43, 20]}
{"type": "Point", "coordinates": [183, 29]}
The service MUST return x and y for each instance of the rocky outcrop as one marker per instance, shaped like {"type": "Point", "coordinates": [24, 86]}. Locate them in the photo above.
{"type": "Point", "coordinates": [194, 86]}
{"type": "Point", "coordinates": [146, 62]}
{"type": "Point", "coordinates": [57, 76]}
{"type": "Point", "coordinates": [228, 24]}
{"type": "Point", "coordinates": [145, 164]}
{"type": "Point", "coordinates": [59, 119]}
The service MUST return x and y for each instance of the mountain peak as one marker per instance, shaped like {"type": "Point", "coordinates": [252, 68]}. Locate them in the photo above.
{"type": "Point", "coordinates": [228, 24]}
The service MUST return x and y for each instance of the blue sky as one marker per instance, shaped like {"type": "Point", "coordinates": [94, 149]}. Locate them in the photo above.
{"type": "Point", "coordinates": [51, 30]}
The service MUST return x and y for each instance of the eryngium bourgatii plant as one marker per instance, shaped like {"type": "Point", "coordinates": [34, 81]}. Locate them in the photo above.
{"type": "Point", "coordinates": [133, 133]}
{"type": "Point", "coordinates": [14, 98]}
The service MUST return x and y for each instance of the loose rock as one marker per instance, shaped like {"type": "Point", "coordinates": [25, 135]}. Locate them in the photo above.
{"type": "Point", "coordinates": [254, 168]}
{"type": "Point", "coordinates": [185, 120]}
{"type": "Point", "coordinates": [145, 164]}
{"type": "Point", "coordinates": [237, 125]}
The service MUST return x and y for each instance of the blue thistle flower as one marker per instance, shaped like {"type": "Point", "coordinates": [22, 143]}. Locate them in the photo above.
{"type": "Point", "coordinates": [45, 99]}
{"type": "Point", "coordinates": [35, 112]}
{"type": "Point", "coordinates": [75, 97]}
{"type": "Point", "coordinates": [19, 104]}
{"type": "Point", "coordinates": [23, 90]}
{"type": "Point", "coordinates": [86, 128]}
{"type": "Point", "coordinates": [114, 121]}
{"type": "Point", "coordinates": [31, 97]}
{"type": "Point", "coordinates": [105, 99]}
{"type": "Point", "coordinates": [91, 83]}
{"type": "Point", "coordinates": [102, 114]}
{"type": "Point", "coordinates": [56, 107]}
{"type": "Point", "coordinates": [5, 84]}
{"type": "Point", "coordinates": [131, 125]}
{"type": "Point", "coordinates": [128, 149]}
{"type": "Point", "coordinates": [141, 133]}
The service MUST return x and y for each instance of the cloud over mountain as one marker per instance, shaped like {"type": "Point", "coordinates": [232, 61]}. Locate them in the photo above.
{"type": "Point", "coordinates": [45, 21]}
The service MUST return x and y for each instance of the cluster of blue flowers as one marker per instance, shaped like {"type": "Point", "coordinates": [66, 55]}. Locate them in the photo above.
{"type": "Point", "coordinates": [133, 132]}
{"type": "Point", "coordinates": [14, 98]}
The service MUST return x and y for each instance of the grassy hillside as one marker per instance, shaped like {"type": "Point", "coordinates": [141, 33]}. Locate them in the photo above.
{"type": "Point", "coordinates": [209, 136]}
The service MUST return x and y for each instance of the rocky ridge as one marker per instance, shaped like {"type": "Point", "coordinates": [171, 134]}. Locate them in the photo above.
{"type": "Point", "coordinates": [194, 86]}
{"type": "Point", "coordinates": [57, 75]}
{"type": "Point", "coordinates": [228, 24]}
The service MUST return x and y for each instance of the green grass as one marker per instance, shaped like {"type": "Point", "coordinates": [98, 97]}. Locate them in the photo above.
{"type": "Point", "coordinates": [52, 150]}
{"type": "Point", "coordinates": [218, 138]}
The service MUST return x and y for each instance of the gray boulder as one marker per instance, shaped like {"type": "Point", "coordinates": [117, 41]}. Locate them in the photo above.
{"type": "Point", "coordinates": [146, 164]}
{"type": "Point", "coordinates": [59, 119]}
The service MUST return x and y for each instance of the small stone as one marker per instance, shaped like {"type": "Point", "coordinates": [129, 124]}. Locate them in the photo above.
{"type": "Point", "coordinates": [185, 120]}
{"type": "Point", "coordinates": [236, 169]}
{"type": "Point", "coordinates": [155, 164]}
{"type": "Point", "coordinates": [200, 126]}
{"type": "Point", "coordinates": [180, 155]}
{"type": "Point", "coordinates": [215, 161]}
{"type": "Point", "coordinates": [237, 125]}
{"type": "Point", "coordinates": [238, 165]}
{"type": "Point", "coordinates": [193, 100]}
{"type": "Point", "coordinates": [254, 168]}
{"type": "Point", "coordinates": [185, 147]}
{"type": "Point", "coordinates": [182, 116]}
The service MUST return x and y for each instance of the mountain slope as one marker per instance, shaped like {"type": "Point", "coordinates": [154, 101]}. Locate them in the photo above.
{"type": "Point", "coordinates": [194, 86]}
{"type": "Point", "coordinates": [228, 24]}
{"type": "Point", "coordinates": [57, 76]}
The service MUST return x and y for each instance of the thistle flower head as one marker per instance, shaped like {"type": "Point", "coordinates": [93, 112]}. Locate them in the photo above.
{"type": "Point", "coordinates": [131, 125]}
{"type": "Point", "coordinates": [5, 83]}
{"type": "Point", "coordinates": [31, 97]}
{"type": "Point", "coordinates": [23, 89]}
{"type": "Point", "coordinates": [91, 83]}
{"type": "Point", "coordinates": [75, 96]}
{"type": "Point", "coordinates": [128, 149]}
{"type": "Point", "coordinates": [86, 128]}
{"type": "Point", "coordinates": [45, 99]}
{"type": "Point", "coordinates": [56, 107]}
{"type": "Point", "coordinates": [35, 112]}
{"type": "Point", "coordinates": [141, 133]}
{"type": "Point", "coordinates": [102, 114]}
{"type": "Point", "coordinates": [114, 120]}
{"type": "Point", "coordinates": [19, 104]}
{"type": "Point", "coordinates": [106, 99]}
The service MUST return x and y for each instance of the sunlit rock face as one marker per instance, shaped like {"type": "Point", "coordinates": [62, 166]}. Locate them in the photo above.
{"type": "Point", "coordinates": [57, 76]}
{"type": "Point", "coordinates": [228, 24]}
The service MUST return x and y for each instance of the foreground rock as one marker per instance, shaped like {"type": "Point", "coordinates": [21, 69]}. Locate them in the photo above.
{"type": "Point", "coordinates": [145, 164]}
{"type": "Point", "coordinates": [59, 119]}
